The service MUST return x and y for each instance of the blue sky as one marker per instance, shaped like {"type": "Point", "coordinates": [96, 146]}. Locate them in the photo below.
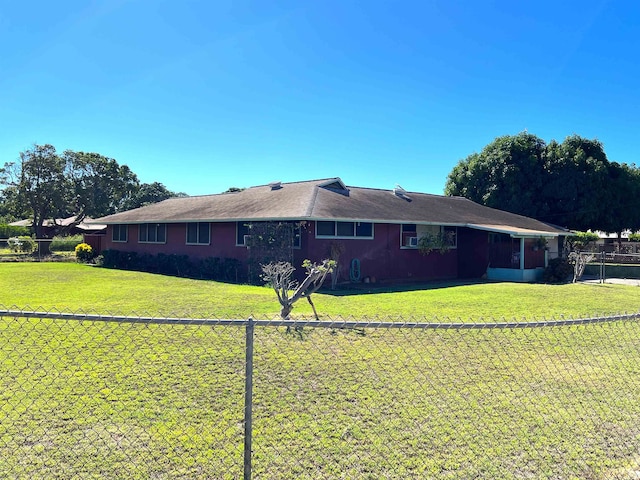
{"type": "Point", "coordinates": [205, 95]}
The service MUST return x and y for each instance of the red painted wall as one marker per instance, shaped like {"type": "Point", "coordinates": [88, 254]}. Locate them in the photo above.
{"type": "Point", "coordinates": [223, 242]}
{"type": "Point", "coordinates": [473, 253]}
{"type": "Point", "coordinates": [533, 255]}
{"type": "Point", "coordinates": [381, 258]}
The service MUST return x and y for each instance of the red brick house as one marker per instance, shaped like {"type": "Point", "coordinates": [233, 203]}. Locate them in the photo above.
{"type": "Point", "coordinates": [378, 231]}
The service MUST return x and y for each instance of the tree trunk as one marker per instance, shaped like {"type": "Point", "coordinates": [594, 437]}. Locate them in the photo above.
{"type": "Point", "coordinates": [285, 311]}
{"type": "Point", "coordinates": [313, 307]}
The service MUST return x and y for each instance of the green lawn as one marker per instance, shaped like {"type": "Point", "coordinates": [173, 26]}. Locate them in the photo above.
{"type": "Point", "coordinates": [101, 400]}
{"type": "Point", "coordinates": [70, 287]}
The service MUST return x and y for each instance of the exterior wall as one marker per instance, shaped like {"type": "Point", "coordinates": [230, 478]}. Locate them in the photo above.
{"type": "Point", "coordinates": [534, 256]}
{"type": "Point", "coordinates": [381, 258]}
{"type": "Point", "coordinates": [96, 241]}
{"type": "Point", "coordinates": [515, 275]}
{"type": "Point", "coordinates": [222, 244]}
{"type": "Point", "coordinates": [473, 253]}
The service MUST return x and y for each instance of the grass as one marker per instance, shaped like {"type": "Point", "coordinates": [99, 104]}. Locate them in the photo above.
{"type": "Point", "coordinates": [99, 400]}
{"type": "Point", "coordinates": [70, 286]}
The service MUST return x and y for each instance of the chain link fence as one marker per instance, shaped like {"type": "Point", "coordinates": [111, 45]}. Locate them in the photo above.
{"type": "Point", "coordinates": [90, 396]}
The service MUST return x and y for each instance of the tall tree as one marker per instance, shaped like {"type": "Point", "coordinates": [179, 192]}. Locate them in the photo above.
{"type": "Point", "coordinates": [100, 185]}
{"type": "Point", "coordinates": [624, 190]}
{"type": "Point", "coordinates": [10, 207]}
{"type": "Point", "coordinates": [44, 185]}
{"type": "Point", "coordinates": [148, 193]}
{"type": "Point", "coordinates": [38, 183]}
{"type": "Point", "coordinates": [495, 177]}
{"type": "Point", "coordinates": [577, 189]}
{"type": "Point", "coordinates": [570, 183]}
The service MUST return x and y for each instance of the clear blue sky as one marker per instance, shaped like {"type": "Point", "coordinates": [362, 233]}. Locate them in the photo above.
{"type": "Point", "coordinates": [205, 95]}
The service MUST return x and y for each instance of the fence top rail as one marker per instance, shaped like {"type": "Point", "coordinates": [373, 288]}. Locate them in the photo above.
{"type": "Point", "coordinates": [333, 324]}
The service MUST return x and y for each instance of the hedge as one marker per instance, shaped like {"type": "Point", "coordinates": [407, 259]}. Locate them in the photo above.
{"type": "Point", "coordinates": [211, 268]}
{"type": "Point", "coordinates": [7, 231]}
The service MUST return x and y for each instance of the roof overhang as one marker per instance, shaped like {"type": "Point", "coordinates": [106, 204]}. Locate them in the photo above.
{"type": "Point", "coordinates": [517, 232]}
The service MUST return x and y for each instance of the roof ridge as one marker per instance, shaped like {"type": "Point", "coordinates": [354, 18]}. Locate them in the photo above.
{"type": "Point", "coordinates": [406, 191]}
{"type": "Point", "coordinates": [298, 182]}
{"type": "Point", "coordinates": [312, 202]}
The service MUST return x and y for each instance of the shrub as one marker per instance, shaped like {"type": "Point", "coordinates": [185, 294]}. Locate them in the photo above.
{"type": "Point", "coordinates": [22, 244]}
{"type": "Point", "coordinates": [634, 237]}
{"type": "Point", "coordinates": [582, 240]}
{"type": "Point", "coordinates": [65, 243]}
{"type": "Point", "coordinates": [7, 231]}
{"type": "Point", "coordinates": [212, 268]}
{"type": "Point", "coordinates": [84, 252]}
{"type": "Point", "coordinates": [558, 271]}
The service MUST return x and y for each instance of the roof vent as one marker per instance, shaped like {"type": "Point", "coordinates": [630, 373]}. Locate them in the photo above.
{"type": "Point", "coordinates": [275, 185]}
{"type": "Point", "coordinates": [401, 192]}
{"type": "Point", "coordinates": [398, 191]}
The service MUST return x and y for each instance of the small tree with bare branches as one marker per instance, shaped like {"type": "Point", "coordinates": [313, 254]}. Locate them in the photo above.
{"type": "Point", "coordinates": [278, 275]}
{"type": "Point", "coordinates": [579, 262]}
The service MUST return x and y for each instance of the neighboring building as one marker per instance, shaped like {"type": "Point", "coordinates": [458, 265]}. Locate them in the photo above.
{"type": "Point", "coordinates": [610, 243]}
{"type": "Point", "coordinates": [377, 231]}
{"type": "Point", "coordinates": [52, 227]}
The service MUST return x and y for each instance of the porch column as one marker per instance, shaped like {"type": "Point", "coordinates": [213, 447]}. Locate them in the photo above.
{"type": "Point", "coordinates": [522, 254]}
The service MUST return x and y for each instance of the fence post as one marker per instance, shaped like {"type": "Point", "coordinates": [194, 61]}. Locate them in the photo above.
{"type": "Point", "coordinates": [248, 399]}
{"type": "Point", "coordinates": [603, 255]}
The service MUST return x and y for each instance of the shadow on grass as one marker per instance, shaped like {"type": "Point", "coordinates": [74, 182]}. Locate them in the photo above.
{"type": "Point", "coordinates": [343, 290]}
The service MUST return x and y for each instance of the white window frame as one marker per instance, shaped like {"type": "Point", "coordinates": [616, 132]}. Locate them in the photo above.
{"type": "Point", "coordinates": [409, 234]}
{"type": "Point", "coordinates": [198, 241]}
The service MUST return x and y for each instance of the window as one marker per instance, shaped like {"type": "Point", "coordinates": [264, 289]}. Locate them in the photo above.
{"type": "Point", "coordinates": [266, 230]}
{"type": "Point", "coordinates": [451, 236]}
{"type": "Point", "coordinates": [152, 233]}
{"type": "Point", "coordinates": [410, 234]}
{"type": "Point", "coordinates": [330, 229]}
{"type": "Point", "coordinates": [325, 229]}
{"type": "Point", "coordinates": [119, 233]}
{"type": "Point", "coordinates": [242, 231]}
{"type": "Point", "coordinates": [198, 233]}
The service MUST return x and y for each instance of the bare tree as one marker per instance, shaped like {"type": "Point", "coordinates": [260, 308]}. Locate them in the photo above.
{"type": "Point", "coordinates": [278, 275]}
{"type": "Point", "coordinates": [579, 261]}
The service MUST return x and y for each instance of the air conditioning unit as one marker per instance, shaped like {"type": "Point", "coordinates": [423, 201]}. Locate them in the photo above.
{"type": "Point", "coordinates": [413, 241]}
{"type": "Point", "coordinates": [246, 239]}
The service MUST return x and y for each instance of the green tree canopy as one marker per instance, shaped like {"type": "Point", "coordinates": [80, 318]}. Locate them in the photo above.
{"type": "Point", "coordinates": [44, 185]}
{"type": "Point", "coordinates": [572, 183]}
{"type": "Point", "coordinates": [495, 176]}
{"type": "Point", "coordinates": [149, 193]}
{"type": "Point", "coordinates": [100, 185]}
{"type": "Point", "coordinates": [37, 183]}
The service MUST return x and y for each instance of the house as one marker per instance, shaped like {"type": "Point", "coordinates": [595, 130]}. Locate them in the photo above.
{"type": "Point", "coordinates": [611, 243]}
{"type": "Point", "coordinates": [52, 227]}
{"type": "Point", "coordinates": [376, 232]}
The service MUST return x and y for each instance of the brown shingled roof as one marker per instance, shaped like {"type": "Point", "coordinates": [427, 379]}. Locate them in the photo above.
{"type": "Point", "coordinates": [321, 200]}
